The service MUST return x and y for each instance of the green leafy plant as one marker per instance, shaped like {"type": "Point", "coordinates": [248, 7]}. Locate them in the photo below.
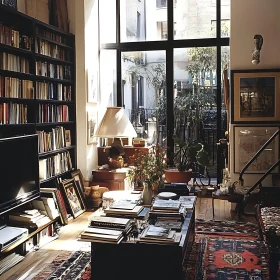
{"type": "Point", "coordinates": [189, 155]}
{"type": "Point", "coordinates": [148, 166]}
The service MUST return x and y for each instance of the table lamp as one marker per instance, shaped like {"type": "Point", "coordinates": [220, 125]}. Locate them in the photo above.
{"type": "Point", "coordinates": [115, 124]}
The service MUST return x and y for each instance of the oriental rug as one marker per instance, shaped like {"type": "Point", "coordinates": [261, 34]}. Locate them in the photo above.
{"type": "Point", "coordinates": [66, 266]}
{"type": "Point", "coordinates": [228, 229]}
{"type": "Point", "coordinates": [222, 258]}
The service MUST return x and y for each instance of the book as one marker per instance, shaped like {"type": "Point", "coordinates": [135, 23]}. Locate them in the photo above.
{"type": "Point", "coordinates": [166, 204]}
{"type": "Point", "coordinates": [156, 231]}
{"type": "Point", "coordinates": [99, 237]}
{"type": "Point", "coordinates": [168, 223]}
{"type": "Point", "coordinates": [102, 231]}
{"type": "Point", "coordinates": [123, 204]}
{"type": "Point", "coordinates": [109, 222]}
{"type": "Point", "coordinates": [135, 211]}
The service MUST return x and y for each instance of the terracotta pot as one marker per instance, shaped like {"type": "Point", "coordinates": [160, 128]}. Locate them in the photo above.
{"type": "Point", "coordinates": [175, 176]}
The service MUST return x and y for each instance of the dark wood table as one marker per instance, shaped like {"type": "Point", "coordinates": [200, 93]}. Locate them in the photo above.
{"type": "Point", "coordinates": [130, 260]}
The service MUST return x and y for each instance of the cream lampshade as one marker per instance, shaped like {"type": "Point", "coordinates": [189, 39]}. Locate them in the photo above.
{"type": "Point", "coordinates": [115, 124]}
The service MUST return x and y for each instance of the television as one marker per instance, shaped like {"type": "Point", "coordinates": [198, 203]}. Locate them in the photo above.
{"type": "Point", "coordinates": [19, 171]}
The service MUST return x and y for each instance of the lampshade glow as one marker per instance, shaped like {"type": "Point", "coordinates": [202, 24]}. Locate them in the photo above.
{"type": "Point", "coordinates": [115, 123]}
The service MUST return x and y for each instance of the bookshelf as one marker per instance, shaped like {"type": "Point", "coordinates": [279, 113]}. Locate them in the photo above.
{"type": "Point", "coordinates": [37, 94]}
{"type": "Point", "coordinates": [37, 89]}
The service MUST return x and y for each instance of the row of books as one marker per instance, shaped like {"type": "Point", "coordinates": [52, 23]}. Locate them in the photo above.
{"type": "Point", "coordinates": [13, 62]}
{"type": "Point", "coordinates": [53, 113]}
{"type": "Point", "coordinates": [53, 140]}
{"type": "Point", "coordinates": [56, 71]}
{"type": "Point", "coordinates": [13, 38]}
{"type": "Point", "coordinates": [51, 49]}
{"type": "Point", "coordinates": [54, 165]}
{"type": "Point", "coordinates": [50, 35]}
{"type": "Point", "coordinates": [16, 88]}
{"type": "Point", "coordinates": [53, 91]}
{"type": "Point", "coordinates": [13, 113]}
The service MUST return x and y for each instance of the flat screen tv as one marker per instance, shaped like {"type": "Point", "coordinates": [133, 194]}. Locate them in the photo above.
{"type": "Point", "coordinates": [19, 171]}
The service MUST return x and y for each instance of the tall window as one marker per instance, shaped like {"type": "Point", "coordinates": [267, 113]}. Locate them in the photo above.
{"type": "Point", "coordinates": [165, 82]}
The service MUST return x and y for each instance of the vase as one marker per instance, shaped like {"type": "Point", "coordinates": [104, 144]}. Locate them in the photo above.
{"type": "Point", "coordinates": [147, 194]}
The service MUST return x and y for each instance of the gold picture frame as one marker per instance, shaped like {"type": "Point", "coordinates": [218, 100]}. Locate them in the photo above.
{"type": "Point", "coordinates": [92, 126]}
{"type": "Point", "coordinates": [79, 180]}
{"type": "Point", "coordinates": [255, 96]}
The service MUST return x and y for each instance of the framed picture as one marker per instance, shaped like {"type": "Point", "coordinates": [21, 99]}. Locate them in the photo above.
{"type": "Point", "coordinates": [73, 197]}
{"type": "Point", "coordinates": [79, 180]}
{"type": "Point", "coordinates": [67, 134]}
{"type": "Point", "coordinates": [248, 141]}
{"type": "Point", "coordinates": [92, 85]}
{"type": "Point", "coordinates": [92, 126]}
{"type": "Point", "coordinates": [255, 96]}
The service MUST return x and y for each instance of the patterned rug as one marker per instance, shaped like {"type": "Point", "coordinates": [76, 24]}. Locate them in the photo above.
{"type": "Point", "coordinates": [66, 266]}
{"type": "Point", "coordinates": [222, 258]}
{"type": "Point", "coordinates": [227, 228]}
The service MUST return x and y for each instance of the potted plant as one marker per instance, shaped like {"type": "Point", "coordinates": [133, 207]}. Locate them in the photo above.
{"type": "Point", "coordinates": [148, 169]}
{"type": "Point", "coordinates": [189, 157]}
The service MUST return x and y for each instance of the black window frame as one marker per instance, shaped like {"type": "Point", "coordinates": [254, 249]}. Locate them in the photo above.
{"type": "Point", "coordinates": [168, 46]}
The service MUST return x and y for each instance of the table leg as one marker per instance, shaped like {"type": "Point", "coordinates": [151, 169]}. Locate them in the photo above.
{"type": "Point", "coordinates": [213, 206]}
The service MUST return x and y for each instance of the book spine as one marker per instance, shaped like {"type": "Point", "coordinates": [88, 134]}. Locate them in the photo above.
{"type": "Point", "coordinates": [106, 225]}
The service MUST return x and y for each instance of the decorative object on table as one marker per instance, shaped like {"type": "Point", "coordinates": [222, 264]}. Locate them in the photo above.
{"type": "Point", "coordinates": [115, 124]}
{"type": "Point", "coordinates": [95, 195]}
{"type": "Point", "coordinates": [247, 142]}
{"type": "Point", "coordinates": [10, 3]}
{"type": "Point", "coordinates": [148, 168]}
{"type": "Point", "coordinates": [73, 197]}
{"type": "Point", "coordinates": [255, 96]}
{"type": "Point", "coordinates": [167, 195]}
{"type": "Point", "coordinates": [189, 157]}
{"type": "Point", "coordinates": [256, 54]}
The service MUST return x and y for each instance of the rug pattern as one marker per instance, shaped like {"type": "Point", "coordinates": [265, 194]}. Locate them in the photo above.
{"type": "Point", "coordinates": [70, 265]}
{"type": "Point", "coordinates": [227, 228]}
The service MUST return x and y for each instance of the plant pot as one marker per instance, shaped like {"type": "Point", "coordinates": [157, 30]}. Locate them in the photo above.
{"type": "Point", "coordinates": [175, 176]}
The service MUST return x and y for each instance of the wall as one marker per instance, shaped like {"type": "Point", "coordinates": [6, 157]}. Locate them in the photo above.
{"type": "Point", "coordinates": [82, 18]}
{"type": "Point", "coordinates": [248, 18]}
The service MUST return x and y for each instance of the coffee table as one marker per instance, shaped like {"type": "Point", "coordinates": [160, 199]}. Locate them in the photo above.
{"type": "Point", "coordinates": [130, 260]}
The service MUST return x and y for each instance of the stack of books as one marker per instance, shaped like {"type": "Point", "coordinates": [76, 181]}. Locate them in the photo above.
{"type": "Point", "coordinates": [126, 209]}
{"type": "Point", "coordinates": [28, 218]}
{"type": "Point", "coordinates": [171, 209]}
{"type": "Point", "coordinates": [188, 201]}
{"type": "Point", "coordinates": [156, 234]}
{"type": "Point", "coordinates": [106, 229]}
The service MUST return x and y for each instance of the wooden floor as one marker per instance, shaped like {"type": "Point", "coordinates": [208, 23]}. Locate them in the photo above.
{"type": "Point", "coordinates": [35, 261]}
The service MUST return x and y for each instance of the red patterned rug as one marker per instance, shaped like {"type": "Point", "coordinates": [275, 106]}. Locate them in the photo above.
{"type": "Point", "coordinates": [240, 230]}
{"type": "Point", "coordinates": [221, 258]}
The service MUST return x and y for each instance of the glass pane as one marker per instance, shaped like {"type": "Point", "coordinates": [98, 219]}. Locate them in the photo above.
{"type": "Point", "coordinates": [225, 59]}
{"type": "Point", "coordinates": [225, 18]}
{"type": "Point", "coordinates": [143, 20]}
{"type": "Point", "coordinates": [194, 19]}
{"type": "Point", "coordinates": [108, 87]}
{"type": "Point", "coordinates": [195, 87]}
{"type": "Point", "coordinates": [144, 91]}
{"type": "Point", "coordinates": [107, 19]}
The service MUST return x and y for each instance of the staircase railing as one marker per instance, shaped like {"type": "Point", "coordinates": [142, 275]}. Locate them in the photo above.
{"type": "Point", "coordinates": [277, 163]}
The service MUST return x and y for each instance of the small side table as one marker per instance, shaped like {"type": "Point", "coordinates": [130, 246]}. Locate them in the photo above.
{"type": "Point", "coordinates": [111, 179]}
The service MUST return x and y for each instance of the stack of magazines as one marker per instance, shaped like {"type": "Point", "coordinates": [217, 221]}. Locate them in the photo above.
{"type": "Point", "coordinates": [156, 234]}
{"type": "Point", "coordinates": [106, 229]}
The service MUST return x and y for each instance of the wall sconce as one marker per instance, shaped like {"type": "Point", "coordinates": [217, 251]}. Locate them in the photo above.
{"type": "Point", "coordinates": [258, 41]}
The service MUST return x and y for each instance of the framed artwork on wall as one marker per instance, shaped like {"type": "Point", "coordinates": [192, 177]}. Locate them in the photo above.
{"type": "Point", "coordinates": [255, 96]}
{"type": "Point", "coordinates": [73, 197]}
{"type": "Point", "coordinates": [92, 86]}
{"type": "Point", "coordinates": [92, 126]}
{"type": "Point", "coordinates": [247, 142]}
